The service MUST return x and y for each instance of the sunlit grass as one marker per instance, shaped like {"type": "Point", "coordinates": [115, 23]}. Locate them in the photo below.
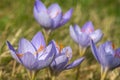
{"type": "Point", "coordinates": [16, 21]}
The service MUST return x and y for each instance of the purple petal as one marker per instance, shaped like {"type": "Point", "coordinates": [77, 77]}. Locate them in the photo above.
{"type": "Point", "coordinates": [59, 63]}
{"type": "Point", "coordinates": [84, 40]}
{"type": "Point", "coordinates": [67, 51]}
{"type": "Point", "coordinates": [109, 59]}
{"type": "Point", "coordinates": [57, 47]}
{"type": "Point", "coordinates": [77, 29]}
{"type": "Point", "coordinates": [79, 37]}
{"type": "Point", "coordinates": [117, 53]}
{"type": "Point", "coordinates": [43, 19]}
{"type": "Point", "coordinates": [54, 10]}
{"type": "Point", "coordinates": [39, 6]}
{"type": "Point", "coordinates": [112, 62]}
{"type": "Point", "coordinates": [95, 51]}
{"type": "Point", "coordinates": [38, 41]}
{"type": "Point", "coordinates": [108, 48]}
{"type": "Point", "coordinates": [75, 63]}
{"type": "Point", "coordinates": [47, 56]}
{"type": "Point", "coordinates": [55, 14]}
{"type": "Point", "coordinates": [25, 46]}
{"type": "Point", "coordinates": [66, 17]}
{"type": "Point", "coordinates": [73, 34]}
{"type": "Point", "coordinates": [29, 61]}
{"type": "Point", "coordinates": [13, 52]}
{"type": "Point", "coordinates": [115, 62]}
{"type": "Point", "coordinates": [96, 35]}
{"type": "Point", "coordinates": [105, 55]}
{"type": "Point", "coordinates": [57, 20]}
{"type": "Point", "coordinates": [88, 27]}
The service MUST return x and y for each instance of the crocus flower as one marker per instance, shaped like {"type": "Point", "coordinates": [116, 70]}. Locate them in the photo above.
{"type": "Point", "coordinates": [33, 54]}
{"type": "Point", "coordinates": [106, 55]}
{"type": "Point", "coordinates": [62, 57]}
{"type": "Point", "coordinates": [82, 36]}
{"type": "Point", "coordinates": [52, 17]}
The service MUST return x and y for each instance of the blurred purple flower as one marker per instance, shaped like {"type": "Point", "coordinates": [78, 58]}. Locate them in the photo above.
{"type": "Point", "coordinates": [106, 55]}
{"type": "Point", "coordinates": [62, 57]}
{"type": "Point", "coordinates": [83, 36]}
{"type": "Point", "coordinates": [52, 17]}
{"type": "Point", "coordinates": [33, 55]}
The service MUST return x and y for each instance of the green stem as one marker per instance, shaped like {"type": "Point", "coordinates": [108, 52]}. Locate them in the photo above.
{"type": "Point", "coordinates": [81, 52]}
{"type": "Point", "coordinates": [104, 74]}
{"type": "Point", "coordinates": [52, 74]}
{"type": "Point", "coordinates": [47, 34]}
{"type": "Point", "coordinates": [29, 76]}
{"type": "Point", "coordinates": [32, 75]}
{"type": "Point", "coordinates": [48, 73]}
{"type": "Point", "coordinates": [77, 73]}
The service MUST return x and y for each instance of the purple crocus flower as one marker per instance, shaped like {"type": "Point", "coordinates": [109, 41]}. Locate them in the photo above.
{"type": "Point", "coordinates": [62, 57]}
{"type": "Point", "coordinates": [33, 54]}
{"type": "Point", "coordinates": [106, 55]}
{"type": "Point", "coordinates": [82, 36]}
{"type": "Point", "coordinates": [52, 17]}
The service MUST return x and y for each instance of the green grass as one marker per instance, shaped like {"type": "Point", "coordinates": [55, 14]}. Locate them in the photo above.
{"type": "Point", "coordinates": [17, 20]}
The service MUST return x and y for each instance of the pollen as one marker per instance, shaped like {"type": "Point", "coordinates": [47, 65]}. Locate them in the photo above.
{"type": "Point", "coordinates": [19, 55]}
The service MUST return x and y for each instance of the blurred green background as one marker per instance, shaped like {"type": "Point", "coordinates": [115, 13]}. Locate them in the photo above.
{"type": "Point", "coordinates": [17, 20]}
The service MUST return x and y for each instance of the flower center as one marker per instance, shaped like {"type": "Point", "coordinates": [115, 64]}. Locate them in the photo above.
{"type": "Point", "coordinates": [59, 47]}
{"type": "Point", "coordinates": [39, 49]}
{"type": "Point", "coordinates": [88, 30]}
{"type": "Point", "coordinates": [53, 15]}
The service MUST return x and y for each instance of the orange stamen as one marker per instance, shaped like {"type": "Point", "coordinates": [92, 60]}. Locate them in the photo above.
{"type": "Point", "coordinates": [61, 47]}
{"type": "Point", "coordinates": [19, 55]}
{"type": "Point", "coordinates": [39, 49]}
{"type": "Point", "coordinates": [113, 46]}
{"type": "Point", "coordinates": [57, 45]}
